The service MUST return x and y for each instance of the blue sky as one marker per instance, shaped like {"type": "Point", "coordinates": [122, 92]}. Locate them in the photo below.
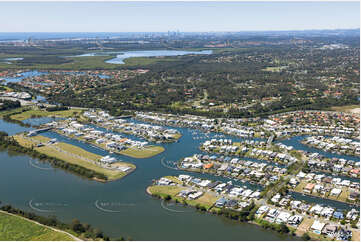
{"type": "Point", "coordinates": [182, 16]}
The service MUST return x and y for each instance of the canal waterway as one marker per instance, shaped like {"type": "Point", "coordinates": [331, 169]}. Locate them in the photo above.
{"type": "Point", "coordinates": [123, 207]}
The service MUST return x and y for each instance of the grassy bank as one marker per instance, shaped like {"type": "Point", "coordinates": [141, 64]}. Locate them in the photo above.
{"type": "Point", "coordinates": [205, 201]}
{"type": "Point", "coordinates": [17, 228]}
{"type": "Point", "coordinates": [13, 111]}
{"type": "Point", "coordinates": [71, 154]}
{"type": "Point", "coordinates": [247, 214]}
{"type": "Point", "coordinates": [43, 113]}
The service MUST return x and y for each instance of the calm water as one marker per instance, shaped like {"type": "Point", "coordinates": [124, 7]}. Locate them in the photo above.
{"type": "Point", "coordinates": [26, 74]}
{"type": "Point", "coordinates": [22, 76]}
{"type": "Point", "coordinates": [120, 207]}
{"type": "Point", "coordinates": [121, 56]}
{"type": "Point", "coordinates": [9, 60]}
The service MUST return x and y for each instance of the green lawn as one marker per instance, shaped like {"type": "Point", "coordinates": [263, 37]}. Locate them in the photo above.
{"type": "Point", "coordinates": [73, 150]}
{"type": "Point", "coordinates": [17, 228]}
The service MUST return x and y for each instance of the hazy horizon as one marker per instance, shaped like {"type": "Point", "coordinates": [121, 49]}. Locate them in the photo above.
{"type": "Point", "coordinates": [220, 31]}
{"type": "Point", "coordinates": [138, 17]}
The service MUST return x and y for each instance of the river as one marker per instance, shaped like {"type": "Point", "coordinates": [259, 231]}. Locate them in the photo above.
{"type": "Point", "coordinates": [121, 56]}
{"type": "Point", "coordinates": [122, 207]}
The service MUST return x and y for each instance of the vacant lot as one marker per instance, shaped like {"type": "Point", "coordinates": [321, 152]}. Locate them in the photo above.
{"type": "Point", "coordinates": [207, 200]}
{"type": "Point", "coordinates": [163, 191]}
{"type": "Point", "coordinates": [145, 152]}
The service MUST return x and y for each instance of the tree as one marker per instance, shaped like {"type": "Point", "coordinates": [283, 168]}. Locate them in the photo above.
{"type": "Point", "coordinates": [284, 229]}
{"type": "Point", "coordinates": [305, 237]}
{"type": "Point", "coordinates": [98, 233]}
{"type": "Point", "coordinates": [76, 226]}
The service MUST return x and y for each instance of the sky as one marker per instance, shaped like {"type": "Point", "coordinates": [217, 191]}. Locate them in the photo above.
{"type": "Point", "coordinates": [182, 16]}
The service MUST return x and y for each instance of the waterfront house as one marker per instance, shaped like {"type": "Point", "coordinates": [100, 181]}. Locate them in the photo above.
{"type": "Point", "coordinates": [108, 160]}
{"type": "Point", "coordinates": [276, 198]}
{"type": "Point", "coordinates": [212, 184]}
{"type": "Point", "coordinates": [295, 204]}
{"type": "Point", "coordinates": [195, 195]}
{"type": "Point", "coordinates": [246, 193]}
{"type": "Point", "coordinates": [221, 202]}
{"type": "Point", "coordinates": [335, 192]}
{"type": "Point", "coordinates": [231, 203]}
{"type": "Point", "coordinates": [330, 230]}
{"type": "Point", "coordinates": [164, 182]}
{"type": "Point", "coordinates": [184, 177]}
{"type": "Point", "coordinates": [338, 215]}
{"type": "Point", "coordinates": [344, 234]}
{"type": "Point", "coordinates": [295, 220]}
{"type": "Point", "coordinates": [185, 193]}
{"type": "Point", "coordinates": [327, 212]}
{"type": "Point", "coordinates": [308, 188]}
{"type": "Point", "coordinates": [256, 195]}
{"type": "Point", "coordinates": [352, 214]}
{"type": "Point", "coordinates": [293, 182]}
{"type": "Point", "coordinates": [354, 195]}
{"type": "Point", "coordinates": [236, 191]}
{"type": "Point", "coordinates": [262, 210]}
{"type": "Point", "coordinates": [99, 141]}
{"type": "Point", "coordinates": [317, 227]}
{"type": "Point", "coordinates": [272, 214]}
{"type": "Point", "coordinates": [283, 217]}
{"type": "Point", "coordinates": [317, 209]}
{"type": "Point", "coordinates": [204, 183]}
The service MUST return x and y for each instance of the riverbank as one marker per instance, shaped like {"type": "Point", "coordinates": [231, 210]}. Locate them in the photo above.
{"type": "Point", "coordinates": [206, 203]}
{"type": "Point", "coordinates": [14, 227]}
{"type": "Point", "coordinates": [247, 213]}
{"type": "Point", "coordinates": [75, 155]}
